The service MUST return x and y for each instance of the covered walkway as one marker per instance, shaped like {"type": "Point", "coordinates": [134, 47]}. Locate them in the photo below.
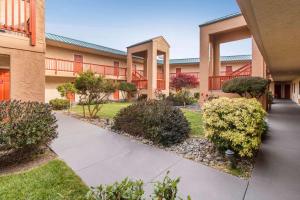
{"type": "Point", "coordinates": [277, 171]}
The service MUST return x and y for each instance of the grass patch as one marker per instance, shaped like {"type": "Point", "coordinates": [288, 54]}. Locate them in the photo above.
{"type": "Point", "coordinates": [196, 122]}
{"type": "Point", "coordinates": [53, 181]}
{"type": "Point", "coordinates": [109, 110]}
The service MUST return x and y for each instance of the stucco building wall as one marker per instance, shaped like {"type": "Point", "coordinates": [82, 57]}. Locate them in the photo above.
{"type": "Point", "coordinates": [27, 62]}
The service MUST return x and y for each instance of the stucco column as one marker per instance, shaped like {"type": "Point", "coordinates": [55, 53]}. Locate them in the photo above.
{"type": "Point", "coordinates": [152, 72]}
{"type": "Point", "coordinates": [204, 64]}
{"type": "Point", "coordinates": [258, 65]}
{"type": "Point", "coordinates": [129, 67]}
{"type": "Point", "coordinates": [216, 59]}
{"type": "Point", "coordinates": [166, 68]}
{"type": "Point", "coordinates": [145, 65]}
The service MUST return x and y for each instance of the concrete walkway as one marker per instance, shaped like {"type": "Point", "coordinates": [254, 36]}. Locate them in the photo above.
{"type": "Point", "coordinates": [101, 157]}
{"type": "Point", "coordinates": [276, 174]}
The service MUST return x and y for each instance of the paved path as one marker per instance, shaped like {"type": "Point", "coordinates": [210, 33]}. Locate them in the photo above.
{"type": "Point", "coordinates": [100, 157]}
{"type": "Point", "coordinates": [276, 174]}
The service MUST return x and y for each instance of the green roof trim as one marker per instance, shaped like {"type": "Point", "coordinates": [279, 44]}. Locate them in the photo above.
{"type": "Point", "coordinates": [234, 58]}
{"type": "Point", "coordinates": [221, 19]}
{"type": "Point", "coordinates": [66, 40]}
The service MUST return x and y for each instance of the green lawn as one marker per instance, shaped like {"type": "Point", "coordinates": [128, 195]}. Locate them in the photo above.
{"type": "Point", "coordinates": [109, 110]}
{"type": "Point", "coordinates": [53, 181]}
{"type": "Point", "coordinates": [196, 121]}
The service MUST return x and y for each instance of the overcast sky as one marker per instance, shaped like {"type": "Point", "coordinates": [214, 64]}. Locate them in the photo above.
{"type": "Point", "coordinates": [120, 23]}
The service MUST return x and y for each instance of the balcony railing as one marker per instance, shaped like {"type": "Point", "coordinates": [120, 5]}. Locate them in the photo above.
{"type": "Point", "coordinates": [60, 65]}
{"type": "Point", "coordinates": [196, 74]}
{"type": "Point", "coordinates": [216, 82]}
{"type": "Point", "coordinates": [19, 16]}
{"type": "Point", "coordinates": [140, 84]}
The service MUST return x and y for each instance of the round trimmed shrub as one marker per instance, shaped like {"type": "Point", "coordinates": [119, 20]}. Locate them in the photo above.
{"type": "Point", "coordinates": [155, 120]}
{"type": "Point", "coordinates": [59, 104]}
{"type": "Point", "coordinates": [235, 124]}
{"type": "Point", "coordinates": [25, 126]}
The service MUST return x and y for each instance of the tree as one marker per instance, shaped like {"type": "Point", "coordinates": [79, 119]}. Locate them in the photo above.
{"type": "Point", "coordinates": [244, 86]}
{"type": "Point", "coordinates": [183, 80]}
{"type": "Point", "coordinates": [127, 89]}
{"type": "Point", "coordinates": [65, 90]}
{"type": "Point", "coordinates": [93, 91]}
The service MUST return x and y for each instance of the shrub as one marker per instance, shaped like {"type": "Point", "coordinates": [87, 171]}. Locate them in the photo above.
{"type": "Point", "coordinates": [183, 80]}
{"type": "Point", "coordinates": [133, 190]}
{"type": "Point", "coordinates": [93, 90]}
{"type": "Point", "coordinates": [59, 104]}
{"type": "Point", "coordinates": [253, 86]}
{"type": "Point", "coordinates": [155, 120]}
{"type": "Point", "coordinates": [197, 95]}
{"type": "Point", "coordinates": [181, 98]}
{"type": "Point", "coordinates": [235, 124]}
{"type": "Point", "coordinates": [128, 90]}
{"type": "Point", "coordinates": [25, 126]}
{"type": "Point", "coordinates": [142, 97]}
{"type": "Point", "coordinates": [126, 190]}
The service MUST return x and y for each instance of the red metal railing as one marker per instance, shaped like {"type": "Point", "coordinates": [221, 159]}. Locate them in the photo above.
{"type": "Point", "coordinates": [19, 16]}
{"type": "Point", "coordinates": [196, 74]}
{"type": "Point", "coordinates": [105, 70]}
{"type": "Point", "coordinates": [161, 84]}
{"type": "Point", "coordinates": [58, 65]}
{"type": "Point", "coordinates": [140, 84]}
{"type": "Point", "coordinates": [216, 82]}
{"type": "Point", "coordinates": [246, 70]}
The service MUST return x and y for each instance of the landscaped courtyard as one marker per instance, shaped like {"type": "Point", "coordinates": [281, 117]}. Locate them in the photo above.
{"type": "Point", "coordinates": [109, 111]}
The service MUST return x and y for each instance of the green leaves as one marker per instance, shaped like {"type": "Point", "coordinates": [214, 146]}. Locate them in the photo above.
{"type": "Point", "coordinates": [133, 190]}
{"type": "Point", "coordinates": [66, 88]}
{"type": "Point", "coordinates": [155, 120]}
{"type": "Point", "coordinates": [59, 104]}
{"type": "Point", "coordinates": [236, 123]}
{"type": "Point", "coordinates": [253, 86]}
{"type": "Point", "coordinates": [93, 90]}
{"type": "Point", "coordinates": [25, 125]}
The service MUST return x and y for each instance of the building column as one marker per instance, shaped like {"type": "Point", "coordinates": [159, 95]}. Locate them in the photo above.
{"type": "Point", "coordinates": [145, 65]}
{"type": "Point", "coordinates": [216, 59]}
{"type": "Point", "coordinates": [205, 70]}
{"type": "Point", "coordinates": [152, 73]}
{"type": "Point", "coordinates": [258, 64]}
{"type": "Point", "coordinates": [129, 67]}
{"type": "Point", "coordinates": [166, 68]}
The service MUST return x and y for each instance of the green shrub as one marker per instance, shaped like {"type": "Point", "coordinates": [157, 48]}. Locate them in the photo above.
{"type": "Point", "coordinates": [126, 190]}
{"type": "Point", "coordinates": [133, 190]}
{"type": "Point", "coordinates": [235, 124]}
{"type": "Point", "coordinates": [197, 95]}
{"type": "Point", "coordinates": [181, 98]}
{"type": "Point", "coordinates": [25, 126]}
{"type": "Point", "coordinates": [253, 86]}
{"type": "Point", "coordinates": [128, 90]}
{"type": "Point", "coordinates": [155, 120]}
{"type": "Point", "coordinates": [142, 97]}
{"type": "Point", "coordinates": [59, 104]}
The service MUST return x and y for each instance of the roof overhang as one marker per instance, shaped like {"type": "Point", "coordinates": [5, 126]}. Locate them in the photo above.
{"type": "Point", "coordinates": [275, 26]}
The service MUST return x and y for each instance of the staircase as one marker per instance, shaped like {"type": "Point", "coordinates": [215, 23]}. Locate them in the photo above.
{"type": "Point", "coordinates": [246, 70]}
{"type": "Point", "coordinates": [139, 80]}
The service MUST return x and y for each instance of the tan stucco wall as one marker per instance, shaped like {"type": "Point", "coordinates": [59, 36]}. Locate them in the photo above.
{"type": "Point", "coordinates": [295, 94]}
{"type": "Point", "coordinates": [27, 63]}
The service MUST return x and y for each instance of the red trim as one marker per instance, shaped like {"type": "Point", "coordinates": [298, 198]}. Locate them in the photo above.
{"type": "Point", "coordinates": [4, 84]}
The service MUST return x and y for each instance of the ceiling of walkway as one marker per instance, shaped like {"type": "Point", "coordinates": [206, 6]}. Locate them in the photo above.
{"type": "Point", "coordinates": [275, 26]}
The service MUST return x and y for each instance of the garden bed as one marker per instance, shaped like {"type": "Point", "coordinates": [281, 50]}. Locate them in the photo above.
{"type": "Point", "coordinates": [198, 149]}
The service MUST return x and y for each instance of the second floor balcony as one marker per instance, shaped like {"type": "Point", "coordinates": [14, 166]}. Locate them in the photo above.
{"type": "Point", "coordinates": [18, 17]}
{"type": "Point", "coordinates": [69, 68]}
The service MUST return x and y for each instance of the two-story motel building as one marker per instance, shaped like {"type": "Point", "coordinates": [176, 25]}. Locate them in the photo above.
{"type": "Point", "coordinates": [33, 63]}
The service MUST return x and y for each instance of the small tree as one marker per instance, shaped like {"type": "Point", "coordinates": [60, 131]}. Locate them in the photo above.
{"type": "Point", "coordinates": [127, 89]}
{"type": "Point", "coordinates": [93, 90]}
{"type": "Point", "coordinates": [244, 86]}
{"type": "Point", "coordinates": [181, 81]}
{"type": "Point", "coordinates": [65, 90]}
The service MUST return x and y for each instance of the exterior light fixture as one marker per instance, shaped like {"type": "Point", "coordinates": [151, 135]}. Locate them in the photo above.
{"type": "Point", "coordinates": [230, 155]}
